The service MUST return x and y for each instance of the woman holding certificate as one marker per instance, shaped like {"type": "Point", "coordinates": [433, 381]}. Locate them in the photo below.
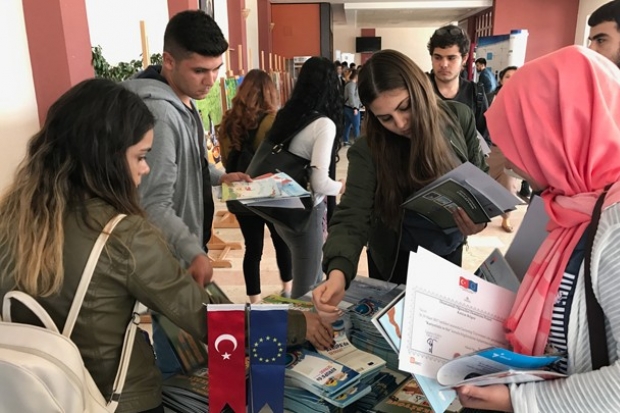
{"type": "Point", "coordinates": [412, 138]}
{"type": "Point", "coordinates": [561, 131]}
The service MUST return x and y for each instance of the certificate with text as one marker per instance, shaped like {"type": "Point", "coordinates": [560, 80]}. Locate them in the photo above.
{"type": "Point", "coordinates": [449, 312]}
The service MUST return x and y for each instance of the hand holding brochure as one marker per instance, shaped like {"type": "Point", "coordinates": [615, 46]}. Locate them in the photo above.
{"type": "Point", "coordinates": [496, 366]}
{"type": "Point", "coordinates": [467, 187]}
{"type": "Point", "coordinates": [274, 190]}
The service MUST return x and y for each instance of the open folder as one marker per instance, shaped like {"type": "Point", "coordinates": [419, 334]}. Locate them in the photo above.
{"type": "Point", "coordinates": [467, 187]}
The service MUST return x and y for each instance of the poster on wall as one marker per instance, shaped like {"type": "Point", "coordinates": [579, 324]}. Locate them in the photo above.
{"type": "Point", "coordinates": [211, 112]}
{"type": "Point", "coordinates": [503, 50]}
{"type": "Point", "coordinates": [230, 90]}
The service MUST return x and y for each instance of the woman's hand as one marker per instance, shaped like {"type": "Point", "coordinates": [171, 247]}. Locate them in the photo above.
{"type": "Point", "coordinates": [343, 187]}
{"type": "Point", "coordinates": [318, 331]}
{"type": "Point", "coordinates": [328, 295]}
{"type": "Point", "coordinates": [496, 397]}
{"type": "Point", "coordinates": [234, 177]}
{"type": "Point", "coordinates": [465, 224]}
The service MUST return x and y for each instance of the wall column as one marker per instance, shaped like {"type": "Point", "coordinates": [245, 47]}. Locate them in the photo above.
{"type": "Point", "coordinates": [177, 6]}
{"type": "Point", "coordinates": [237, 35]}
{"type": "Point", "coordinates": [59, 46]}
{"type": "Point", "coordinates": [265, 43]}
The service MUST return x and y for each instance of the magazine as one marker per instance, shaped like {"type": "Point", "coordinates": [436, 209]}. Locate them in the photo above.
{"type": "Point", "coordinates": [467, 187]}
{"type": "Point", "coordinates": [407, 398]}
{"type": "Point", "coordinates": [294, 304]}
{"type": "Point", "coordinates": [346, 353]}
{"type": "Point", "coordinates": [497, 366]}
{"type": "Point", "coordinates": [273, 190]}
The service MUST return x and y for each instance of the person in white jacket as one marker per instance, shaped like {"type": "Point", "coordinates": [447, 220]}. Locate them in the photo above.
{"type": "Point", "coordinates": [563, 135]}
{"type": "Point", "coordinates": [316, 94]}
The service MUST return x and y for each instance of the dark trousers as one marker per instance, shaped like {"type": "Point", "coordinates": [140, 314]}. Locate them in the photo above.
{"type": "Point", "coordinates": [399, 276]}
{"type": "Point", "coordinates": [253, 230]}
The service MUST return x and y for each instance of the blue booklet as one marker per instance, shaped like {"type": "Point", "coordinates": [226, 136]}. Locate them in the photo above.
{"type": "Point", "coordinates": [497, 366]}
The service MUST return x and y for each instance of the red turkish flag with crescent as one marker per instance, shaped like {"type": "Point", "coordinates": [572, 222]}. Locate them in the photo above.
{"type": "Point", "coordinates": [226, 343]}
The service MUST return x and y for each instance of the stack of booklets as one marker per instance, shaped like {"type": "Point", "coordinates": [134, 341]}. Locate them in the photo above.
{"type": "Point", "coordinates": [320, 375]}
{"type": "Point", "coordinates": [385, 383]}
{"type": "Point", "coordinates": [187, 393]}
{"type": "Point", "coordinates": [366, 364]}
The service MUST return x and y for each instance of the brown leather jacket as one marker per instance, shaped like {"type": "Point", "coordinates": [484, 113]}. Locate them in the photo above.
{"type": "Point", "coordinates": [135, 264]}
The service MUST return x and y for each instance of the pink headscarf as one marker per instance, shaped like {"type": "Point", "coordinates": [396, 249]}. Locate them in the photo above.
{"type": "Point", "coordinates": [558, 120]}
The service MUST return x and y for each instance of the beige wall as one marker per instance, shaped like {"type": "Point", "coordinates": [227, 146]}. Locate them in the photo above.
{"type": "Point", "coordinates": [586, 7]}
{"type": "Point", "coordinates": [251, 27]}
{"type": "Point", "coordinates": [18, 108]}
{"type": "Point", "coordinates": [115, 26]}
{"type": "Point", "coordinates": [410, 41]}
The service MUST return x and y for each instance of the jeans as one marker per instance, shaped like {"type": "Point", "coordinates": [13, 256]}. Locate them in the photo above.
{"type": "Point", "coordinates": [165, 356]}
{"type": "Point", "coordinates": [253, 230]}
{"type": "Point", "coordinates": [306, 251]}
{"type": "Point", "coordinates": [351, 121]}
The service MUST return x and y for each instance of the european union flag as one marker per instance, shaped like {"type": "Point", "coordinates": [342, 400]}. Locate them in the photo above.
{"type": "Point", "coordinates": [268, 330]}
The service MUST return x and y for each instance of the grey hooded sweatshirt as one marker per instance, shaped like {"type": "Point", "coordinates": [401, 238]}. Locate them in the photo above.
{"type": "Point", "coordinates": [177, 191]}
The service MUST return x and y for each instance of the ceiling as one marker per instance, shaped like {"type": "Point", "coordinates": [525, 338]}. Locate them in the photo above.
{"type": "Point", "coordinates": [400, 13]}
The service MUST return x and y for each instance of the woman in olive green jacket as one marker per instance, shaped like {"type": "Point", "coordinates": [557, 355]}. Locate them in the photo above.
{"type": "Point", "coordinates": [411, 139]}
{"type": "Point", "coordinates": [81, 170]}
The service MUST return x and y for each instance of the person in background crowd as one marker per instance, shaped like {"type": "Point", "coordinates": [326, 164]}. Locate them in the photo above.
{"type": "Point", "coordinates": [243, 128]}
{"type": "Point", "coordinates": [316, 91]}
{"type": "Point", "coordinates": [352, 107]}
{"type": "Point", "coordinates": [497, 161]}
{"type": "Point", "coordinates": [605, 31]}
{"type": "Point", "coordinates": [448, 47]}
{"type": "Point", "coordinates": [486, 78]}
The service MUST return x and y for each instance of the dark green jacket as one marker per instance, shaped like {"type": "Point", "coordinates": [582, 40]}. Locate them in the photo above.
{"type": "Point", "coordinates": [136, 264]}
{"type": "Point", "coordinates": [355, 223]}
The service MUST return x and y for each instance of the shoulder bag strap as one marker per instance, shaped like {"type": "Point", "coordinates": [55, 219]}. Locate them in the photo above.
{"type": "Point", "coordinates": [596, 317]}
{"type": "Point", "coordinates": [311, 118]}
{"type": "Point", "coordinates": [87, 275]}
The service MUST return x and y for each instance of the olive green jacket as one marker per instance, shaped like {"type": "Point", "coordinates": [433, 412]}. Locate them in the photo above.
{"type": "Point", "coordinates": [355, 223]}
{"type": "Point", "coordinates": [136, 264]}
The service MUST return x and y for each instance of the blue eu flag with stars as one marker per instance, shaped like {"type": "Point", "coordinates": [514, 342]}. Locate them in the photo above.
{"type": "Point", "coordinates": [268, 330]}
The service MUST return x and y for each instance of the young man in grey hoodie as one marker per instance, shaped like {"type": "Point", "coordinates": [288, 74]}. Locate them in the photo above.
{"type": "Point", "coordinates": [177, 193]}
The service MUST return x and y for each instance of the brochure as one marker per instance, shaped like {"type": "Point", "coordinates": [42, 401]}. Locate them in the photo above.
{"type": "Point", "coordinates": [389, 321]}
{"type": "Point", "coordinates": [467, 187]}
{"type": "Point", "coordinates": [496, 366]}
{"type": "Point", "coordinates": [273, 190]}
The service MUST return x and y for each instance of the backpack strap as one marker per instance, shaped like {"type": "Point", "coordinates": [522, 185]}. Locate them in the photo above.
{"type": "Point", "coordinates": [596, 318]}
{"type": "Point", "coordinates": [31, 304]}
{"type": "Point", "coordinates": [87, 275]}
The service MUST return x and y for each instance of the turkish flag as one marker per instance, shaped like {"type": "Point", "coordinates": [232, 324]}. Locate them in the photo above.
{"type": "Point", "coordinates": [226, 342]}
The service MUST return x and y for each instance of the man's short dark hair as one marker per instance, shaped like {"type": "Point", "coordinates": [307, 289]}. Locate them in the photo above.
{"type": "Point", "coordinates": [194, 31]}
{"type": "Point", "coordinates": [608, 12]}
{"type": "Point", "coordinates": [448, 36]}
{"type": "Point", "coordinates": [481, 60]}
{"type": "Point", "coordinates": [352, 65]}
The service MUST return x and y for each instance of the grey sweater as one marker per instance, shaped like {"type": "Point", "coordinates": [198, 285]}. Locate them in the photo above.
{"type": "Point", "coordinates": [351, 96]}
{"type": "Point", "coordinates": [172, 193]}
{"type": "Point", "coordinates": [586, 390]}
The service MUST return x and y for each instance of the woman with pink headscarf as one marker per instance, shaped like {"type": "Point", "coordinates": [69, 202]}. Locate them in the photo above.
{"type": "Point", "coordinates": [558, 124]}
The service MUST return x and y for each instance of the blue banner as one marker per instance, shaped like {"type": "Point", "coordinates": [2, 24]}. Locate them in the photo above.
{"type": "Point", "coordinates": [268, 331]}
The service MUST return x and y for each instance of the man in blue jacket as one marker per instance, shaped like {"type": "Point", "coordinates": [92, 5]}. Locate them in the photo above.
{"type": "Point", "coordinates": [486, 78]}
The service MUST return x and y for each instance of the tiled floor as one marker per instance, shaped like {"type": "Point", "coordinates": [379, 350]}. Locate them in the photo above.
{"type": "Point", "coordinates": [231, 279]}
